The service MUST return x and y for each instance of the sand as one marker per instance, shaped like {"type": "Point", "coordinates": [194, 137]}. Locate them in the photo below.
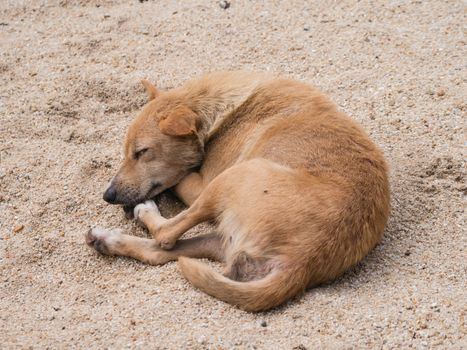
{"type": "Point", "coordinates": [70, 73]}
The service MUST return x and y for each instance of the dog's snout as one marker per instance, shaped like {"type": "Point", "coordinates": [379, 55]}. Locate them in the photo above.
{"type": "Point", "coordinates": [110, 194]}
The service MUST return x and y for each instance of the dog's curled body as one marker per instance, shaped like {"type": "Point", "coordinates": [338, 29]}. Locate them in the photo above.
{"type": "Point", "coordinates": [298, 190]}
{"type": "Point", "coordinates": [306, 194]}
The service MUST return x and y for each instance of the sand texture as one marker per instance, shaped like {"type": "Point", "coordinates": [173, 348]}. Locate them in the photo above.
{"type": "Point", "coordinates": [70, 84]}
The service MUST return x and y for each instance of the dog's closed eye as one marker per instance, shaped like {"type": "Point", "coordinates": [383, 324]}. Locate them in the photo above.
{"type": "Point", "coordinates": [139, 153]}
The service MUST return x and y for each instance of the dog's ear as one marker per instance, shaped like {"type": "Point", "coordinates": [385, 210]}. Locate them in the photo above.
{"type": "Point", "coordinates": [150, 89]}
{"type": "Point", "coordinates": [180, 122]}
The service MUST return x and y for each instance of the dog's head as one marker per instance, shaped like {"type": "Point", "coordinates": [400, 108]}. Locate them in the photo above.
{"type": "Point", "coordinates": [161, 147]}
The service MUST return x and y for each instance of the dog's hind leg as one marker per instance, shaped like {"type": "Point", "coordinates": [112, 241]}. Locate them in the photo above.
{"type": "Point", "coordinates": [113, 242]}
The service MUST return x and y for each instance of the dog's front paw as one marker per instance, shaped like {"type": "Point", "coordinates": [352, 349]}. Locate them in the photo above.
{"type": "Point", "coordinates": [142, 210]}
{"type": "Point", "coordinates": [102, 240]}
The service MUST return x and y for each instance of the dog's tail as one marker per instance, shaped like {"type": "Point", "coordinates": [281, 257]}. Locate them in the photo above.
{"type": "Point", "coordinates": [268, 292]}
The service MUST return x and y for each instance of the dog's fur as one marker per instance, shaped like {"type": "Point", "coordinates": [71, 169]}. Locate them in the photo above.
{"type": "Point", "coordinates": [299, 192]}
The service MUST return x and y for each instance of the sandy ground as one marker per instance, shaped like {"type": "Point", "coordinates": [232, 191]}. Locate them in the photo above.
{"type": "Point", "coordinates": [70, 74]}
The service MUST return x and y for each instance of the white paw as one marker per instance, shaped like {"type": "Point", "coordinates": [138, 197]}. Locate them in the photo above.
{"type": "Point", "coordinates": [102, 240]}
{"type": "Point", "coordinates": [148, 207]}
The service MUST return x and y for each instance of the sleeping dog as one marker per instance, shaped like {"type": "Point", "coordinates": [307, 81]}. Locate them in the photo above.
{"type": "Point", "coordinates": [297, 189]}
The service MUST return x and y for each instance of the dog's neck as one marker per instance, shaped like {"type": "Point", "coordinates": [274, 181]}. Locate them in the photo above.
{"type": "Point", "coordinates": [216, 99]}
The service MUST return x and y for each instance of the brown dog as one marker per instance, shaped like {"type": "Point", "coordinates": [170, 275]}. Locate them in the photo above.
{"type": "Point", "coordinates": [299, 192]}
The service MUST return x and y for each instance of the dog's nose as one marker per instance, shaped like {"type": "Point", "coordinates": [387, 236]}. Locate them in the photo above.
{"type": "Point", "coordinates": [110, 195]}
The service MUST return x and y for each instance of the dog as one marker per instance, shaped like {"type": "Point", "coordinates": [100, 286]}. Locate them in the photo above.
{"type": "Point", "coordinates": [298, 191]}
